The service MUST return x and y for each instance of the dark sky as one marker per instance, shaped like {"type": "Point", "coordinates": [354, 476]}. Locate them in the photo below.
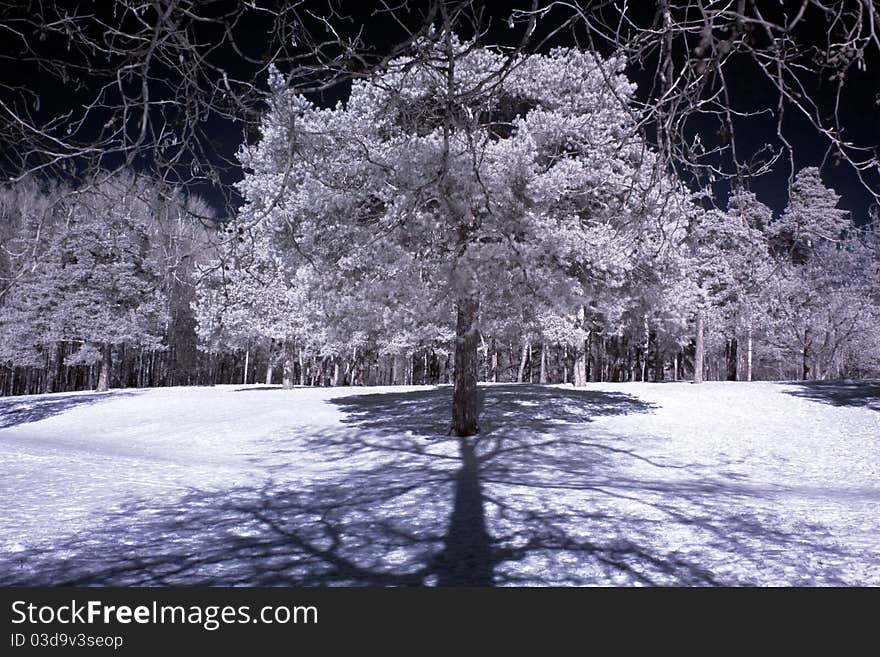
{"type": "Point", "coordinates": [859, 108]}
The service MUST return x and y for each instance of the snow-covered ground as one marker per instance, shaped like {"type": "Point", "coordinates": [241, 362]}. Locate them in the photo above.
{"type": "Point", "coordinates": [615, 484]}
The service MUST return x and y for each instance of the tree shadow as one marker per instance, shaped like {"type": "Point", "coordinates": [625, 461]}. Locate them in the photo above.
{"type": "Point", "coordinates": [522, 406]}
{"type": "Point", "coordinates": [536, 499]}
{"type": "Point", "coordinates": [21, 410]}
{"type": "Point", "coordinates": [258, 388]}
{"type": "Point", "coordinates": [864, 394]}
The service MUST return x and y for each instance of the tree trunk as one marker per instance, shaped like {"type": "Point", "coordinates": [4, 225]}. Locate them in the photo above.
{"type": "Point", "coordinates": [58, 375]}
{"type": "Point", "coordinates": [399, 368]}
{"type": "Point", "coordinates": [659, 363]}
{"type": "Point", "coordinates": [579, 372]}
{"type": "Point", "coordinates": [465, 399]}
{"type": "Point", "coordinates": [287, 368]}
{"type": "Point", "coordinates": [731, 359]}
{"type": "Point", "coordinates": [494, 373]}
{"type": "Point", "coordinates": [565, 363]}
{"type": "Point", "coordinates": [520, 377]}
{"type": "Point", "coordinates": [580, 364]}
{"type": "Point", "coordinates": [589, 369]}
{"type": "Point", "coordinates": [699, 355]}
{"type": "Point", "coordinates": [106, 362]}
{"type": "Point", "coordinates": [543, 362]}
{"type": "Point", "coordinates": [47, 380]}
{"type": "Point", "coordinates": [805, 365]}
{"type": "Point", "coordinates": [247, 361]}
{"type": "Point", "coordinates": [580, 369]}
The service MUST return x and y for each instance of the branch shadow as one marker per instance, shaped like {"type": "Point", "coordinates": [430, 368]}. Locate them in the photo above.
{"type": "Point", "coordinates": [864, 394]}
{"type": "Point", "coordinates": [21, 410]}
{"type": "Point", "coordinates": [536, 499]}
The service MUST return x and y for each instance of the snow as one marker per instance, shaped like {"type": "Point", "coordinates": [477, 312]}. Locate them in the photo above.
{"type": "Point", "coordinates": [615, 484]}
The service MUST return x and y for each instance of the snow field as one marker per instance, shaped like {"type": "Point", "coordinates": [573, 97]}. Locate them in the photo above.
{"type": "Point", "coordinates": [616, 484]}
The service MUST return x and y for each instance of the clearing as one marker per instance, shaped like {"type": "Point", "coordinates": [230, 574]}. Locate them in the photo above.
{"type": "Point", "coordinates": [612, 484]}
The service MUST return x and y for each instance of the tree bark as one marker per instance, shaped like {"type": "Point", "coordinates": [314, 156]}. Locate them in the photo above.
{"type": "Point", "coordinates": [494, 372]}
{"type": "Point", "coordinates": [699, 355]}
{"type": "Point", "coordinates": [589, 369]}
{"type": "Point", "coordinates": [579, 373]}
{"type": "Point", "coordinates": [659, 362]}
{"type": "Point", "coordinates": [543, 362]}
{"type": "Point", "coordinates": [805, 365]}
{"type": "Point", "coordinates": [565, 363]}
{"type": "Point", "coordinates": [520, 377]}
{"type": "Point", "coordinates": [581, 354]}
{"type": "Point", "coordinates": [399, 368]}
{"type": "Point", "coordinates": [287, 369]}
{"type": "Point", "coordinates": [47, 379]}
{"type": "Point", "coordinates": [106, 362]}
{"type": "Point", "coordinates": [353, 368]}
{"type": "Point", "coordinates": [58, 374]}
{"type": "Point", "coordinates": [732, 359]}
{"type": "Point", "coordinates": [749, 352]}
{"type": "Point", "coordinates": [465, 399]}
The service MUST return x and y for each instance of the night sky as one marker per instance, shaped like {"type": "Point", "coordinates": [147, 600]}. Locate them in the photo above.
{"type": "Point", "coordinates": [860, 107]}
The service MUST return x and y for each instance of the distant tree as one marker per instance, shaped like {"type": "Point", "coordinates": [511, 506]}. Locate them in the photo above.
{"type": "Point", "coordinates": [816, 273]}
{"type": "Point", "coordinates": [95, 285]}
{"type": "Point", "coordinates": [823, 313]}
{"type": "Point", "coordinates": [730, 265]}
{"type": "Point", "coordinates": [28, 211]}
{"type": "Point", "coordinates": [248, 298]}
{"type": "Point", "coordinates": [810, 219]}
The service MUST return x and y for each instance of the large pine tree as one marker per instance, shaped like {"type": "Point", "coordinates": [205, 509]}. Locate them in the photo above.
{"type": "Point", "coordinates": [457, 178]}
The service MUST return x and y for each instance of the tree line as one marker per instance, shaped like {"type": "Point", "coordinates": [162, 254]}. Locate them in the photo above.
{"type": "Point", "coordinates": [465, 209]}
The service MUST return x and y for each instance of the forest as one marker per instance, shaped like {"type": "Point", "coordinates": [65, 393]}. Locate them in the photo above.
{"type": "Point", "coordinates": [125, 285]}
{"type": "Point", "coordinates": [500, 207]}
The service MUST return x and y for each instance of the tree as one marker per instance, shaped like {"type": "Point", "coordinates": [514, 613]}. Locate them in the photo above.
{"type": "Point", "coordinates": [729, 265]}
{"type": "Point", "coordinates": [95, 285]}
{"type": "Point", "coordinates": [457, 176]}
{"type": "Point", "coordinates": [821, 302]}
{"type": "Point", "coordinates": [810, 220]}
{"type": "Point", "coordinates": [248, 297]}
